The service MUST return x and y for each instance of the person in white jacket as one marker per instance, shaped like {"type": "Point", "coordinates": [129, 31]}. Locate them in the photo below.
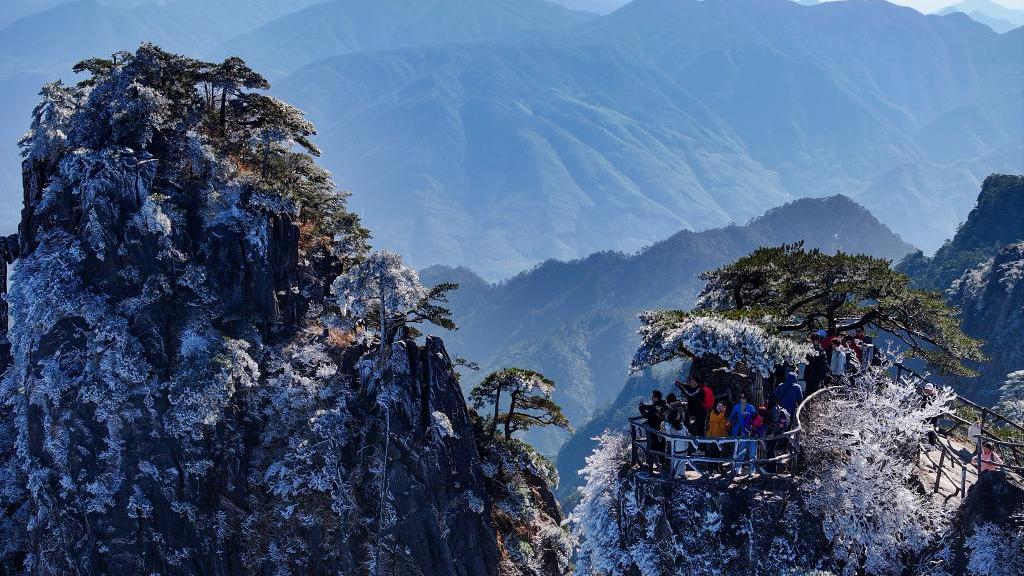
{"type": "Point", "coordinates": [677, 447]}
{"type": "Point", "coordinates": [839, 356]}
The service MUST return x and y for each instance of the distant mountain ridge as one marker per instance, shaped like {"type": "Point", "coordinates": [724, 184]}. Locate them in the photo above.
{"type": "Point", "coordinates": [576, 321]}
{"type": "Point", "coordinates": [342, 26]}
{"type": "Point", "coordinates": [992, 14]}
{"type": "Point", "coordinates": [664, 115]}
{"type": "Point", "coordinates": [522, 131]}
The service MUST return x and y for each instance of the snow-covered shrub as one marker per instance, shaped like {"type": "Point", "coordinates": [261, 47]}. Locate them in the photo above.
{"type": "Point", "coordinates": [859, 446]}
{"type": "Point", "coordinates": [380, 291]}
{"type": "Point", "coordinates": [1011, 396]}
{"type": "Point", "coordinates": [995, 551]}
{"type": "Point", "coordinates": [598, 520]}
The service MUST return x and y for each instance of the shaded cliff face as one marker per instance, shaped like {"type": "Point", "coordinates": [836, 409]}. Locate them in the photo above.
{"type": "Point", "coordinates": [996, 220]}
{"type": "Point", "coordinates": [991, 298]}
{"type": "Point", "coordinates": [174, 402]}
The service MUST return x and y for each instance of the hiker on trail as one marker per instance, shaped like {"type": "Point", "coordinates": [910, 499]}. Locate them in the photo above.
{"type": "Point", "coordinates": [718, 421]}
{"type": "Point", "coordinates": [817, 366]}
{"type": "Point", "coordinates": [779, 425]}
{"type": "Point", "coordinates": [740, 421]}
{"type": "Point", "coordinates": [928, 394]}
{"type": "Point", "coordinates": [788, 395]}
{"type": "Point", "coordinates": [759, 425]}
{"type": "Point", "coordinates": [870, 354]}
{"type": "Point", "coordinates": [990, 461]}
{"type": "Point", "coordinates": [826, 342]}
{"type": "Point", "coordinates": [699, 400]}
{"type": "Point", "coordinates": [654, 416]}
{"type": "Point", "coordinates": [853, 354]}
{"type": "Point", "coordinates": [718, 427]}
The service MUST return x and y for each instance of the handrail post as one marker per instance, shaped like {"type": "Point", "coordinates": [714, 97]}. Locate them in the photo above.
{"type": "Point", "coordinates": [940, 468]}
{"type": "Point", "coordinates": [963, 482]}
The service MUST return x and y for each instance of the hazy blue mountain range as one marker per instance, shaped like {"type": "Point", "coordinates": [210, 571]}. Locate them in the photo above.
{"type": "Point", "coordinates": [39, 41]}
{"type": "Point", "coordinates": [520, 132]}
{"type": "Point", "coordinates": [992, 14]}
{"type": "Point", "coordinates": [575, 321]}
{"type": "Point", "coordinates": [667, 115]}
{"type": "Point", "coordinates": [595, 6]}
{"type": "Point", "coordinates": [344, 26]}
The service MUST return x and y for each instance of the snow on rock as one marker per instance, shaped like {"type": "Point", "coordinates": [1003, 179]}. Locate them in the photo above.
{"type": "Point", "coordinates": [179, 399]}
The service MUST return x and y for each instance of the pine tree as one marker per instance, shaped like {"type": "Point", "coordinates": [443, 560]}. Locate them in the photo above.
{"type": "Point", "coordinates": [788, 290]}
{"type": "Point", "coordinates": [530, 404]}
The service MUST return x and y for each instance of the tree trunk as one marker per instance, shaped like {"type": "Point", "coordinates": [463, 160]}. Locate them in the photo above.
{"type": "Point", "coordinates": [223, 110]}
{"type": "Point", "coordinates": [508, 417]}
{"type": "Point", "coordinates": [497, 404]}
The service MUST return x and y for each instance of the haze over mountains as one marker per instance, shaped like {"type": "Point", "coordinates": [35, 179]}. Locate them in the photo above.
{"type": "Point", "coordinates": [992, 14]}
{"type": "Point", "coordinates": [517, 132]}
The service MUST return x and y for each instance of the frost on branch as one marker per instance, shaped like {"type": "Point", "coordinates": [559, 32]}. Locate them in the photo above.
{"type": "Point", "coordinates": [995, 551]}
{"type": "Point", "coordinates": [860, 448]}
{"type": "Point", "coordinates": [667, 335]}
{"type": "Point", "coordinates": [382, 294]}
{"type": "Point", "coordinates": [597, 522]}
{"type": "Point", "coordinates": [1011, 396]}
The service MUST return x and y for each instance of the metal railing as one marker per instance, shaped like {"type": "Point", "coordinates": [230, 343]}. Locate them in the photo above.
{"type": "Point", "coordinates": [970, 425]}
{"type": "Point", "coordinates": [668, 456]}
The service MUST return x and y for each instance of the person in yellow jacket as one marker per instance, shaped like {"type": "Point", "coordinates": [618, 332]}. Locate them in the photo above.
{"type": "Point", "coordinates": [718, 427]}
{"type": "Point", "coordinates": [718, 421]}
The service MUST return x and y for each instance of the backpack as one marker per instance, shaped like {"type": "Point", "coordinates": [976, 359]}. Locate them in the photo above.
{"type": "Point", "coordinates": [709, 399]}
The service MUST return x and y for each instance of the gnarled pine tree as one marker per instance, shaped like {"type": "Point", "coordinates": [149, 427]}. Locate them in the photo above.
{"type": "Point", "coordinates": [789, 291]}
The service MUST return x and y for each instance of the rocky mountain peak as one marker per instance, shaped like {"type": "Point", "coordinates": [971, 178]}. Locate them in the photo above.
{"type": "Point", "coordinates": [181, 398]}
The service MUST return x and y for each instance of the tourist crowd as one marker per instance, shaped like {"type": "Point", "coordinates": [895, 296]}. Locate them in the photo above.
{"type": "Point", "coordinates": [696, 412]}
{"type": "Point", "coordinates": [734, 430]}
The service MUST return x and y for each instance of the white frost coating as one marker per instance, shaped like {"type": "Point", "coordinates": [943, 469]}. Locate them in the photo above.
{"type": "Point", "coordinates": [1011, 396]}
{"type": "Point", "coordinates": [874, 517]}
{"type": "Point", "coordinates": [150, 218]}
{"type": "Point", "coordinates": [995, 552]}
{"type": "Point", "coordinates": [666, 336]}
{"type": "Point", "coordinates": [1011, 273]}
{"type": "Point", "coordinates": [382, 280]}
{"type": "Point", "coordinates": [442, 425]}
{"type": "Point", "coordinates": [474, 502]}
{"type": "Point", "coordinates": [595, 520]}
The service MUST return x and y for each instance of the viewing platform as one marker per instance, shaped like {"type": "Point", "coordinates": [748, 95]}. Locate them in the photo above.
{"type": "Point", "coordinates": [948, 468]}
{"type": "Point", "coordinates": [667, 456]}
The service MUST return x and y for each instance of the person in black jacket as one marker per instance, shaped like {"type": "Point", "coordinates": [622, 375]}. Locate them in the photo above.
{"type": "Point", "coordinates": [654, 416]}
{"type": "Point", "coordinates": [816, 371]}
{"type": "Point", "coordinates": [696, 413]}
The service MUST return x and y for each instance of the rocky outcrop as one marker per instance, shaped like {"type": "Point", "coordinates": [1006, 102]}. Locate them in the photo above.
{"type": "Point", "coordinates": [996, 220]}
{"type": "Point", "coordinates": [991, 298]}
{"type": "Point", "coordinates": [989, 529]}
{"type": "Point", "coordinates": [178, 401]}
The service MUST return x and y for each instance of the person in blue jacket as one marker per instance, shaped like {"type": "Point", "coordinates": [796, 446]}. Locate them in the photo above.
{"type": "Point", "coordinates": [740, 421]}
{"type": "Point", "coordinates": [788, 395]}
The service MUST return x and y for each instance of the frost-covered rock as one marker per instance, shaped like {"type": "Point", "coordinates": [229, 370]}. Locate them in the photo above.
{"type": "Point", "coordinates": [176, 401]}
{"type": "Point", "coordinates": [992, 299]}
